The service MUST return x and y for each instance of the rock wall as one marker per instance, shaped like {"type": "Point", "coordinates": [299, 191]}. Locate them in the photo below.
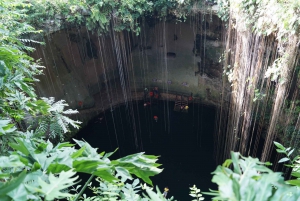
{"type": "Point", "coordinates": [93, 73]}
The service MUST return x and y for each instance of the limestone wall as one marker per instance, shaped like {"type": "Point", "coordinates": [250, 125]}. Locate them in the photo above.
{"type": "Point", "coordinates": [93, 73]}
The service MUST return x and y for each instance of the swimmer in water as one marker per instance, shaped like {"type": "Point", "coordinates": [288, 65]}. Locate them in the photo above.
{"type": "Point", "coordinates": [166, 190]}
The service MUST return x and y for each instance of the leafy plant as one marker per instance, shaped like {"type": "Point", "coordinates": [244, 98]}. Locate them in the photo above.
{"type": "Point", "coordinates": [37, 169]}
{"type": "Point", "coordinates": [17, 73]}
{"type": "Point", "coordinates": [258, 95]}
{"type": "Point", "coordinates": [55, 124]}
{"type": "Point", "coordinates": [98, 16]}
{"type": "Point", "coordinates": [250, 180]}
{"type": "Point", "coordinates": [294, 163]}
{"type": "Point", "coordinates": [195, 192]}
{"type": "Point", "coordinates": [56, 186]}
{"type": "Point", "coordinates": [129, 191]}
{"type": "Point", "coordinates": [258, 16]}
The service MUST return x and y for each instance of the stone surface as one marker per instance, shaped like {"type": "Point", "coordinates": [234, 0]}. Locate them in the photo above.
{"type": "Point", "coordinates": [95, 73]}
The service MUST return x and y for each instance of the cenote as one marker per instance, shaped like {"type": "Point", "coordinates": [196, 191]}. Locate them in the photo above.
{"type": "Point", "coordinates": [185, 150]}
{"type": "Point", "coordinates": [208, 87]}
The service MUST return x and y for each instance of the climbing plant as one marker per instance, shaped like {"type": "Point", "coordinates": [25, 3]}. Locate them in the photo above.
{"type": "Point", "coordinates": [262, 42]}
{"type": "Point", "coordinates": [100, 15]}
{"type": "Point", "coordinates": [263, 16]}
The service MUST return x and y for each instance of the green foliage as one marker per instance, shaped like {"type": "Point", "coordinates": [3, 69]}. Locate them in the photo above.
{"type": "Point", "coordinates": [55, 124]}
{"type": "Point", "coordinates": [294, 163]}
{"type": "Point", "coordinates": [195, 192]}
{"type": "Point", "coordinates": [129, 191]}
{"type": "Point", "coordinates": [18, 100]}
{"type": "Point", "coordinates": [40, 170]}
{"type": "Point", "coordinates": [258, 95]}
{"type": "Point", "coordinates": [100, 15]}
{"type": "Point", "coordinates": [54, 189]}
{"type": "Point", "coordinates": [263, 16]}
{"type": "Point", "coordinates": [289, 133]}
{"type": "Point", "coordinates": [272, 18]}
{"type": "Point", "coordinates": [250, 180]}
{"type": "Point", "coordinates": [36, 169]}
{"type": "Point", "coordinates": [224, 9]}
{"type": "Point", "coordinates": [17, 70]}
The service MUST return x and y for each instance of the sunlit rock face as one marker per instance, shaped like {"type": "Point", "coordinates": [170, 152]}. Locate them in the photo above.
{"type": "Point", "coordinates": [93, 73]}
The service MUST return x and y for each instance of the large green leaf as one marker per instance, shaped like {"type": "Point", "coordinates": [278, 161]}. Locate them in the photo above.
{"type": "Point", "coordinates": [253, 182]}
{"type": "Point", "coordinates": [53, 189]}
{"type": "Point", "coordinates": [20, 146]}
{"type": "Point", "coordinates": [6, 127]}
{"type": "Point", "coordinates": [295, 182]}
{"type": "Point", "coordinates": [78, 153]}
{"type": "Point", "coordinates": [44, 159]}
{"type": "Point", "coordinates": [107, 175]}
{"type": "Point", "coordinates": [12, 184]}
{"type": "Point", "coordinates": [64, 144]}
{"type": "Point", "coordinates": [280, 146]}
{"type": "Point", "coordinates": [236, 166]}
{"type": "Point", "coordinates": [296, 174]}
{"type": "Point", "coordinates": [264, 185]}
{"type": "Point", "coordinates": [11, 161]}
{"type": "Point", "coordinates": [57, 168]}
{"type": "Point", "coordinates": [283, 160]}
{"type": "Point", "coordinates": [88, 151]}
{"type": "Point", "coordinates": [86, 165]}
{"type": "Point", "coordinates": [144, 174]}
{"type": "Point", "coordinates": [18, 194]}
{"type": "Point", "coordinates": [139, 164]}
{"type": "Point", "coordinates": [123, 173]}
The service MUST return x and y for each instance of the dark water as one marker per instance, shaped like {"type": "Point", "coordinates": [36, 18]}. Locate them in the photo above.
{"type": "Point", "coordinates": [184, 142]}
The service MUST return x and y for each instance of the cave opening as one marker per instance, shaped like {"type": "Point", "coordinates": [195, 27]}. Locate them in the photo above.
{"type": "Point", "coordinates": [186, 149]}
{"type": "Point", "coordinates": [99, 61]}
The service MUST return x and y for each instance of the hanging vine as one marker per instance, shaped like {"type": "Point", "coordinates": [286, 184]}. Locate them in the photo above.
{"type": "Point", "coordinates": [263, 39]}
{"type": "Point", "coordinates": [96, 15]}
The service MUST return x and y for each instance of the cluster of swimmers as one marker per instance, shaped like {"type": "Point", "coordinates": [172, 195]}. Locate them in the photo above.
{"type": "Point", "coordinates": [154, 93]}
{"type": "Point", "coordinates": [184, 107]}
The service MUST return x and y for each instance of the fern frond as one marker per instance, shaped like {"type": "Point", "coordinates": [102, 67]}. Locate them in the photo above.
{"type": "Point", "coordinates": [61, 123]}
{"type": "Point", "coordinates": [49, 100]}
{"type": "Point", "coordinates": [58, 106]}
{"type": "Point", "coordinates": [26, 40]}
{"type": "Point", "coordinates": [56, 131]}
{"type": "Point", "coordinates": [70, 111]}
{"type": "Point", "coordinates": [43, 126]}
{"type": "Point", "coordinates": [56, 124]}
{"type": "Point", "coordinates": [67, 120]}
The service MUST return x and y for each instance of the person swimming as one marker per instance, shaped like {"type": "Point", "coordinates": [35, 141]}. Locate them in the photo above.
{"type": "Point", "coordinates": [166, 190]}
